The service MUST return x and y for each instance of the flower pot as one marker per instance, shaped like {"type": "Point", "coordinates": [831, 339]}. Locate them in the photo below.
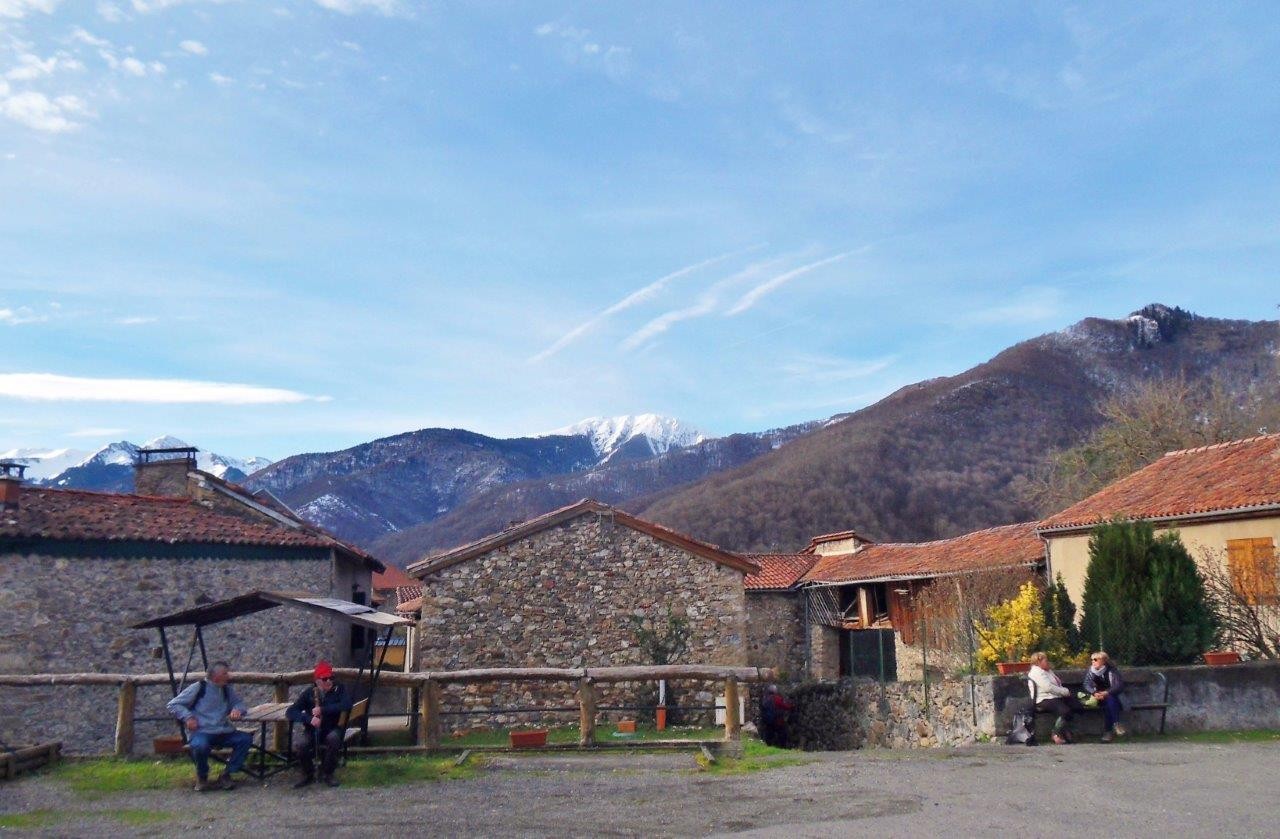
{"type": "Point", "coordinates": [1217, 658]}
{"type": "Point", "coordinates": [168, 744]}
{"type": "Point", "coordinates": [528, 739]}
{"type": "Point", "coordinates": [661, 719]}
{"type": "Point", "coordinates": [629, 726]}
{"type": "Point", "coordinates": [1004, 668]}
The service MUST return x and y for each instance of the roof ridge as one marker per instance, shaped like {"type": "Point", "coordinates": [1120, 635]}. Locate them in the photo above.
{"type": "Point", "coordinates": [98, 493]}
{"type": "Point", "coordinates": [1223, 445]}
{"type": "Point", "coordinates": [1031, 524]}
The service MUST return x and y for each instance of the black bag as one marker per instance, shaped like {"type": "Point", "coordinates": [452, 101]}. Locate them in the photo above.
{"type": "Point", "coordinates": [1024, 729]}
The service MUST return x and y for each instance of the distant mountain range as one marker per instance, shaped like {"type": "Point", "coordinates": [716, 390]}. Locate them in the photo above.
{"type": "Point", "coordinates": [110, 468]}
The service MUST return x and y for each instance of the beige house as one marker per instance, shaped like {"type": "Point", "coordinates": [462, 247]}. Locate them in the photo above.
{"type": "Point", "coordinates": [1224, 501]}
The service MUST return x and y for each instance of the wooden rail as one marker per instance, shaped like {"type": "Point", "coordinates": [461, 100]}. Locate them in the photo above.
{"type": "Point", "coordinates": [24, 760]}
{"type": "Point", "coordinates": [429, 687]}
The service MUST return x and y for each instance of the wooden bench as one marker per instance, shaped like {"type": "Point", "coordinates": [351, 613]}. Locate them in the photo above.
{"type": "Point", "coordinates": [1161, 691]}
{"type": "Point", "coordinates": [352, 724]}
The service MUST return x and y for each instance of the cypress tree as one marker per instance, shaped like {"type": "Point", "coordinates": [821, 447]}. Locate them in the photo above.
{"type": "Point", "coordinates": [1175, 623]}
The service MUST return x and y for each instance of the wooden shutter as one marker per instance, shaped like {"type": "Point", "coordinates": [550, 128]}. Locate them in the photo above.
{"type": "Point", "coordinates": [1253, 570]}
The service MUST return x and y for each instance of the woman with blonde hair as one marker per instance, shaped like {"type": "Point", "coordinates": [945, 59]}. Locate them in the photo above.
{"type": "Point", "coordinates": [1051, 696]}
{"type": "Point", "coordinates": [1102, 681]}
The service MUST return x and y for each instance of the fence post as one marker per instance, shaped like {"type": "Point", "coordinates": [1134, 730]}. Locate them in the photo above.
{"type": "Point", "coordinates": [280, 731]}
{"type": "Point", "coordinates": [429, 715]}
{"type": "Point", "coordinates": [124, 718]}
{"type": "Point", "coordinates": [732, 724]}
{"type": "Point", "coordinates": [587, 713]}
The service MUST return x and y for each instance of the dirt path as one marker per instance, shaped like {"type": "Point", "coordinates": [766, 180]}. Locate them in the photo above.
{"type": "Point", "coordinates": [1143, 789]}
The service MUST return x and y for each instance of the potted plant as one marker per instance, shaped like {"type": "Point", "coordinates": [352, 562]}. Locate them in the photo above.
{"type": "Point", "coordinates": [168, 744]}
{"type": "Point", "coordinates": [1005, 668]}
{"type": "Point", "coordinates": [1217, 658]}
{"type": "Point", "coordinates": [530, 739]}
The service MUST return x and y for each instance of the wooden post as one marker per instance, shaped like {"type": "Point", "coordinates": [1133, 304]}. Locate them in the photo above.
{"type": "Point", "coordinates": [124, 718]}
{"type": "Point", "coordinates": [587, 713]}
{"type": "Point", "coordinates": [280, 731]}
{"type": "Point", "coordinates": [429, 715]}
{"type": "Point", "coordinates": [732, 724]}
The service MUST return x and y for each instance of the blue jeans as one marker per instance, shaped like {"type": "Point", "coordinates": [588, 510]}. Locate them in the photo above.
{"type": "Point", "coordinates": [1112, 710]}
{"type": "Point", "coordinates": [202, 743]}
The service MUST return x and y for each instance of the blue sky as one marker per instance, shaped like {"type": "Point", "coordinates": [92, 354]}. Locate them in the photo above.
{"type": "Point", "coordinates": [272, 227]}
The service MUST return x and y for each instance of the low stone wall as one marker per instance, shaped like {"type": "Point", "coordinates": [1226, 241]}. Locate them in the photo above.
{"type": "Point", "coordinates": [894, 715]}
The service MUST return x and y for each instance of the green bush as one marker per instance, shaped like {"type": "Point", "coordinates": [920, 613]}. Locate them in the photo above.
{"type": "Point", "coordinates": [1144, 597]}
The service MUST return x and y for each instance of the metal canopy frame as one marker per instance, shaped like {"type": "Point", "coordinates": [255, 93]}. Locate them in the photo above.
{"type": "Point", "coordinates": [207, 614]}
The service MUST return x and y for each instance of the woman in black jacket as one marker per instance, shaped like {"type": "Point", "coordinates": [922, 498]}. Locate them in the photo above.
{"type": "Point", "coordinates": [1102, 681]}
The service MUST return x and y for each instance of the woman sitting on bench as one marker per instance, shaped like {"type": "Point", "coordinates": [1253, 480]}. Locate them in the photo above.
{"type": "Point", "coordinates": [1102, 681]}
{"type": "Point", "coordinates": [1056, 698]}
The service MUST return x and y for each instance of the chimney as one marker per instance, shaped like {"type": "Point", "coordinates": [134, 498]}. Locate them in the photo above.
{"type": "Point", "coordinates": [11, 474]}
{"type": "Point", "coordinates": [163, 471]}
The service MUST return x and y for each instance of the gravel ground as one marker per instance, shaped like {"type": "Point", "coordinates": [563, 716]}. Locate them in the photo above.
{"type": "Point", "coordinates": [1125, 789]}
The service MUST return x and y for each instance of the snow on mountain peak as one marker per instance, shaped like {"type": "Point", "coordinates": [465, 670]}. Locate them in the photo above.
{"type": "Point", "coordinates": [609, 434]}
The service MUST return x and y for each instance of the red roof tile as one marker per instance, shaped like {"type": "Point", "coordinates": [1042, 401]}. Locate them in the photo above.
{"type": "Point", "coordinates": [408, 598]}
{"type": "Point", "coordinates": [778, 571]}
{"type": "Point", "coordinates": [996, 547]}
{"type": "Point", "coordinates": [1215, 479]}
{"type": "Point", "coordinates": [392, 577]}
{"type": "Point", "coordinates": [66, 515]}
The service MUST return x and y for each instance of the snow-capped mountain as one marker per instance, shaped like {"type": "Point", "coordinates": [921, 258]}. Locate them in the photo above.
{"type": "Point", "coordinates": [110, 468]}
{"type": "Point", "coordinates": [642, 435]}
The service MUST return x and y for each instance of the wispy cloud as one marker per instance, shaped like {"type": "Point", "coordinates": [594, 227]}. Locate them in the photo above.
{"type": "Point", "coordinates": [351, 7]}
{"type": "Point", "coordinates": [219, 79]}
{"type": "Point", "coordinates": [40, 112]}
{"type": "Point", "coordinates": [50, 387]}
{"type": "Point", "coordinates": [19, 9]}
{"type": "Point", "coordinates": [825, 369]}
{"type": "Point", "coordinates": [635, 298]}
{"type": "Point", "coordinates": [135, 320]}
{"type": "Point", "coordinates": [19, 316]}
{"type": "Point", "coordinates": [774, 283]}
{"type": "Point", "coordinates": [193, 47]}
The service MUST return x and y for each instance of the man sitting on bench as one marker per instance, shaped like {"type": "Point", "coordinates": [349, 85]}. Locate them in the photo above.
{"type": "Point", "coordinates": [1052, 697]}
{"type": "Point", "coordinates": [320, 709]}
{"type": "Point", "coordinates": [207, 708]}
{"type": "Point", "coordinates": [1102, 681]}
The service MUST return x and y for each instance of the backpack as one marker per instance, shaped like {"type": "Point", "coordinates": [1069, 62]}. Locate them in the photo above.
{"type": "Point", "coordinates": [1023, 731]}
{"type": "Point", "coordinates": [200, 695]}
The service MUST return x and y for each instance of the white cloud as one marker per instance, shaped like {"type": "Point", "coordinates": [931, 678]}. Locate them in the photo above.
{"type": "Point", "coordinates": [219, 79]}
{"type": "Point", "coordinates": [20, 8]}
{"type": "Point", "coordinates": [353, 46]}
{"type": "Point", "coordinates": [19, 316]}
{"type": "Point", "coordinates": [135, 320]}
{"type": "Point", "coordinates": [133, 66]}
{"type": "Point", "coordinates": [97, 432]}
{"type": "Point", "coordinates": [633, 299]}
{"type": "Point", "coordinates": [31, 67]}
{"type": "Point", "coordinates": [770, 285]}
{"type": "Point", "coordinates": [50, 387]}
{"type": "Point", "coordinates": [351, 7]}
{"type": "Point", "coordinates": [194, 47]}
{"type": "Point", "coordinates": [35, 110]}
{"type": "Point", "coordinates": [146, 6]}
{"type": "Point", "coordinates": [110, 12]}
{"type": "Point", "coordinates": [85, 37]}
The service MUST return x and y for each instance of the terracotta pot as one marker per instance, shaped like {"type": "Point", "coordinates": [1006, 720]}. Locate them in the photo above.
{"type": "Point", "coordinates": [1217, 658]}
{"type": "Point", "coordinates": [528, 739]}
{"type": "Point", "coordinates": [169, 744]}
{"type": "Point", "coordinates": [1004, 668]}
{"type": "Point", "coordinates": [661, 719]}
{"type": "Point", "coordinates": [629, 726]}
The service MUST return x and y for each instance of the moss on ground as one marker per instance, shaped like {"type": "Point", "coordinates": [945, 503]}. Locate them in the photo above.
{"type": "Point", "coordinates": [387, 770]}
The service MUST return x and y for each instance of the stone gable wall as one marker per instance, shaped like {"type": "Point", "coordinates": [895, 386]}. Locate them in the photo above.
{"type": "Point", "coordinates": [565, 597]}
{"type": "Point", "coordinates": [776, 632]}
{"type": "Point", "coordinates": [71, 615]}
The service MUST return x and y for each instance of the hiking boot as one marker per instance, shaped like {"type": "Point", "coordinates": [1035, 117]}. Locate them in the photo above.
{"type": "Point", "coordinates": [225, 782]}
{"type": "Point", "coordinates": [1120, 730]}
{"type": "Point", "coordinates": [306, 781]}
{"type": "Point", "coordinates": [203, 785]}
{"type": "Point", "coordinates": [1108, 736]}
{"type": "Point", "coordinates": [330, 781]}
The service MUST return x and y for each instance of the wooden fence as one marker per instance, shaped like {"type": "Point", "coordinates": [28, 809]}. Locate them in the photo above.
{"type": "Point", "coordinates": [427, 687]}
{"type": "Point", "coordinates": [14, 761]}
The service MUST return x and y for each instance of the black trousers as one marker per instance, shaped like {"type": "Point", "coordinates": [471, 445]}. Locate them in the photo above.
{"type": "Point", "coordinates": [1064, 706]}
{"type": "Point", "coordinates": [304, 747]}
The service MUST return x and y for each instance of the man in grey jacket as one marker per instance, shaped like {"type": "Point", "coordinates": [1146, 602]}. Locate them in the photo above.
{"type": "Point", "coordinates": [207, 708]}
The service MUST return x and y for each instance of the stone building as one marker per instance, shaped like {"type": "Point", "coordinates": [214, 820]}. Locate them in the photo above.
{"type": "Point", "coordinates": [1223, 500]}
{"type": "Point", "coordinates": [569, 589]}
{"type": "Point", "coordinates": [776, 613]}
{"type": "Point", "coordinates": [78, 568]}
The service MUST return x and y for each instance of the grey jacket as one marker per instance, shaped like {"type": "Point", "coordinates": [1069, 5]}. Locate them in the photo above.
{"type": "Point", "coordinates": [212, 709]}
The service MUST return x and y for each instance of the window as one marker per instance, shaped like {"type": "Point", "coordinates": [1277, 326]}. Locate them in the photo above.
{"type": "Point", "coordinates": [1253, 570]}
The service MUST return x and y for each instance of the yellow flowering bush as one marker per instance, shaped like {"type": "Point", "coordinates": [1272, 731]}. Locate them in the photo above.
{"type": "Point", "coordinates": [1012, 629]}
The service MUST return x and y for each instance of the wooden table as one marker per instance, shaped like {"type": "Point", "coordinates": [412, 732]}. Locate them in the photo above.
{"type": "Point", "coordinates": [266, 714]}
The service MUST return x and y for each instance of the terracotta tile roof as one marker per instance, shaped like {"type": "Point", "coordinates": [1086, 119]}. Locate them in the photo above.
{"type": "Point", "coordinates": [392, 577]}
{"type": "Point", "coordinates": [778, 571]}
{"type": "Point", "coordinates": [77, 515]}
{"type": "Point", "coordinates": [715, 553]}
{"type": "Point", "coordinates": [835, 537]}
{"type": "Point", "coordinates": [996, 547]}
{"type": "Point", "coordinates": [408, 598]}
{"type": "Point", "coordinates": [1217, 479]}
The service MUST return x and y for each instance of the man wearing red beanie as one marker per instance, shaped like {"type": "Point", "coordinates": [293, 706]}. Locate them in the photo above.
{"type": "Point", "coordinates": [319, 709]}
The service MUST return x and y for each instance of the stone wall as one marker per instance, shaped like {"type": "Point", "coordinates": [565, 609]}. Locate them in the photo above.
{"type": "Point", "coordinates": [64, 615]}
{"type": "Point", "coordinates": [565, 597]}
{"type": "Point", "coordinates": [824, 653]}
{"type": "Point", "coordinates": [775, 631]}
{"type": "Point", "coordinates": [959, 712]}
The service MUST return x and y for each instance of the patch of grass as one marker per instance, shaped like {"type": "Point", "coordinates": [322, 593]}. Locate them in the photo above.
{"type": "Point", "coordinates": [137, 817]}
{"type": "Point", "coordinates": [33, 819]}
{"type": "Point", "coordinates": [604, 733]}
{"type": "Point", "coordinates": [96, 778]}
{"type": "Point", "coordinates": [385, 770]}
{"type": "Point", "coordinates": [1260, 735]}
{"type": "Point", "coordinates": [756, 757]}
